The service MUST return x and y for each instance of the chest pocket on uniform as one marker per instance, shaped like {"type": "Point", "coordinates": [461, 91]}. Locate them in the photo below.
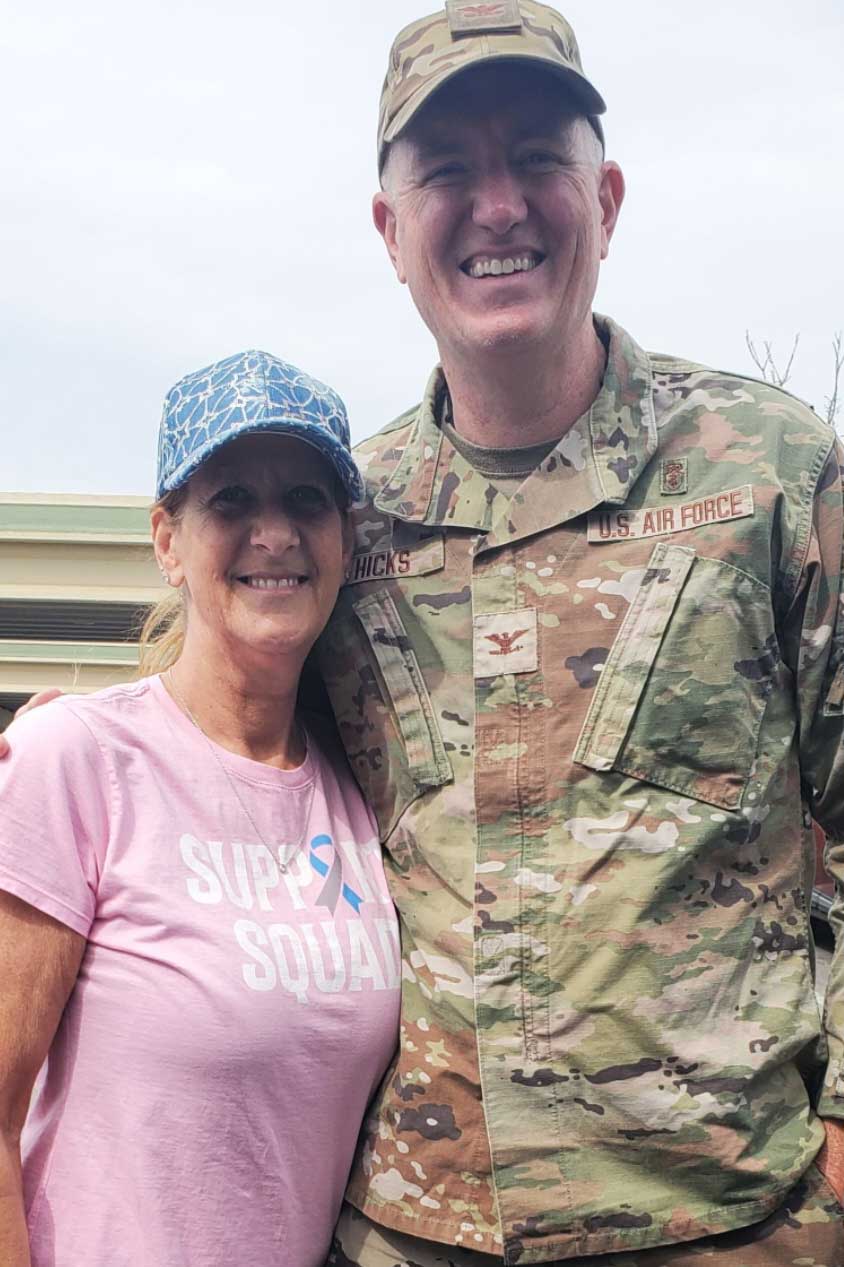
{"type": "Point", "coordinates": [681, 697]}
{"type": "Point", "coordinates": [382, 706]}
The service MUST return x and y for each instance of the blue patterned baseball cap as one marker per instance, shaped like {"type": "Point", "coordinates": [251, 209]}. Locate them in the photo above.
{"type": "Point", "coordinates": [250, 392]}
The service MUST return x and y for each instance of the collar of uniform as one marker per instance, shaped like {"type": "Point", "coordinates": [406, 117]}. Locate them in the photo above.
{"type": "Point", "coordinates": [432, 483]}
{"type": "Point", "coordinates": [622, 420]}
{"type": "Point", "coordinates": [600, 457]}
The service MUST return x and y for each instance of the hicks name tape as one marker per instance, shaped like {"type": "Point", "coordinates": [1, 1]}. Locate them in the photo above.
{"type": "Point", "coordinates": [381, 565]}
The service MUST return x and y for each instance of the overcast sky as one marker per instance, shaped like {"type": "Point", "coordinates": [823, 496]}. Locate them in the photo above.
{"type": "Point", "coordinates": [182, 181]}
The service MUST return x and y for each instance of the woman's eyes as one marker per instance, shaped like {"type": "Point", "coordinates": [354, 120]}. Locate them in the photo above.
{"type": "Point", "coordinates": [231, 497]}
{"type": "Point", "coordinates": [307, 497]}
{"type": "Point", "coordinates": [301, 499]}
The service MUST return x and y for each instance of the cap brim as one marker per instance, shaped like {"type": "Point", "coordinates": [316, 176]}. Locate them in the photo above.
{"type": "Point", "coordinates": [325, 443]}
{"type": "Point", "coordinates": [582, 93]}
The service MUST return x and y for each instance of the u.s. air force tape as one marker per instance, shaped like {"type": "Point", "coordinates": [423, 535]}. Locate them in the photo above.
{"type": "Point", "coordinates": [660, 521]}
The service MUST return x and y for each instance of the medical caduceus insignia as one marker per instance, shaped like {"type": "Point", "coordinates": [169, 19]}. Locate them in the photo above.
{"type": "Point", "coordinates": [674, 476]}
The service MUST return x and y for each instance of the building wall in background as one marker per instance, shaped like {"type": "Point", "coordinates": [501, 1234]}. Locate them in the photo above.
{"type": "Point", "coordinates": [77, 575]}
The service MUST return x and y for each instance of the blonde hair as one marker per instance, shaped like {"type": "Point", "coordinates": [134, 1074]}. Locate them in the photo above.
{"type": "Point", "coordinates": [162, 634]}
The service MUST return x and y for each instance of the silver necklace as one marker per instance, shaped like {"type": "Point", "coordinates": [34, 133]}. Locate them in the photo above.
{"type": "Point", "coordinates": [282, 866]}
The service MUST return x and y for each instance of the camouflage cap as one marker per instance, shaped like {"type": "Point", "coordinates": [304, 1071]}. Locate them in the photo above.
{"type": "Point", "coordinates": [430, 51]}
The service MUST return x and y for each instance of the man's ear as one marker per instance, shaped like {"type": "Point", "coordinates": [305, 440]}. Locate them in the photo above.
{"type": "Point", "coordinates": [384, 218]}
{"type": "Point", "coordinates": [610, 195]}
{"type": "Point", "coordinates": [164, 543]}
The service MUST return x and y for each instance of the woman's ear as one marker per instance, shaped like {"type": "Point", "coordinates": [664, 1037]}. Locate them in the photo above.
{"type": "Point", "coordinates": [165, 544]}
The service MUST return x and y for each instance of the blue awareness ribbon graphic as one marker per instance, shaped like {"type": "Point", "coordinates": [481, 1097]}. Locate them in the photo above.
{"type": "Point", "coordinates": [334, 885]}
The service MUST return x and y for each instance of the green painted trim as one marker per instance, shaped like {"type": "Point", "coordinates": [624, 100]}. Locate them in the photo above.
{"type": "Point", "coordinates": [121, 653]}
{"type": "Point", "coordinates": [72, 499]}
{"type": "Point", "coordinates": [40, 521]}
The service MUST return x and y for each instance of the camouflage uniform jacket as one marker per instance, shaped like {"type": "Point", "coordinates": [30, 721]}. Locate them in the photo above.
{"type": "Point", "coordinates": [592, 722]}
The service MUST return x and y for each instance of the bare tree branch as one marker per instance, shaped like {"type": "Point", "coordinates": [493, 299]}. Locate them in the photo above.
{"type": "Point", "coordinates": [786, 375]}
{"type": "Point", "coordinates": [832, 401]}
{"type": "Point", "coordinates": [760, 362]}
{"type": "Point", "coordinates": [766, 365]}
{"type": "Point", "coordinates": [764, 360]}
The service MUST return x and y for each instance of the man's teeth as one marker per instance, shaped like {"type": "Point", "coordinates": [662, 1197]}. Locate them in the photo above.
{"type": "Point", "coordinates": [272, 583]}
{"type": "Point", "coordinates": [494, 268]}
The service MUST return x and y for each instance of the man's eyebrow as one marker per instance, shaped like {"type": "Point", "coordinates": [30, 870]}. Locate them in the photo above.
{"type": "Point", "coordinates": [545, 127]}
{"type": "Point", "coordinates": [433, 146]}
{"type": "Point", "coordinates": [539, 127]}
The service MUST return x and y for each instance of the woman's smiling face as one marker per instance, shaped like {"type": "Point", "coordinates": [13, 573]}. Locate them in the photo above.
{"type": "Point", "coordinates": [260, 545]}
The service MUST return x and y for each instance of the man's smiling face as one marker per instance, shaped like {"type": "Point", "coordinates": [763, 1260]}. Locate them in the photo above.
{"type": "Point", "coordinates": [497, 209]}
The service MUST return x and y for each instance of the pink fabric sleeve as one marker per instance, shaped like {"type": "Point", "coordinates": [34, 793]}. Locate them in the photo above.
{"type": "Point", "coordinates": [54, 821]}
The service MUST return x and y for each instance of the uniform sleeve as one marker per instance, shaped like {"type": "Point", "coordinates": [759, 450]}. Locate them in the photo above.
{"type": "Point", "coordinates": [814, 646]}
{"type": "Point", "coordinates": [54, 819]}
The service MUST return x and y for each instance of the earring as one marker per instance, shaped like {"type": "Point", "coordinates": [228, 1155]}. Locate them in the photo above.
{"type": "Point", "coordinates": [165, 575]}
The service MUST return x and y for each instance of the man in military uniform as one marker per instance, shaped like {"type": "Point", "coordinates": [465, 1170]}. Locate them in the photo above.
{"type": "Point", "coordinates": [589, 669]}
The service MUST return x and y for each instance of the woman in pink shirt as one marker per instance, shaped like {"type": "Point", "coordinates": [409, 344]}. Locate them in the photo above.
{"type": "Point", "coordinates": [199, 954]}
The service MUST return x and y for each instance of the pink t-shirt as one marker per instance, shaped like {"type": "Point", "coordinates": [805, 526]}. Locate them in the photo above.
{"type": "Point", "coordinates": [237, 1003]}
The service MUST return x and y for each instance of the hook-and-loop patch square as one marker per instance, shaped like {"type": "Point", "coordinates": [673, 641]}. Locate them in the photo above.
{"type": "Point", "coordinates": [468, 17]}
{"type": "Point", "coordinates": [506, 642]}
